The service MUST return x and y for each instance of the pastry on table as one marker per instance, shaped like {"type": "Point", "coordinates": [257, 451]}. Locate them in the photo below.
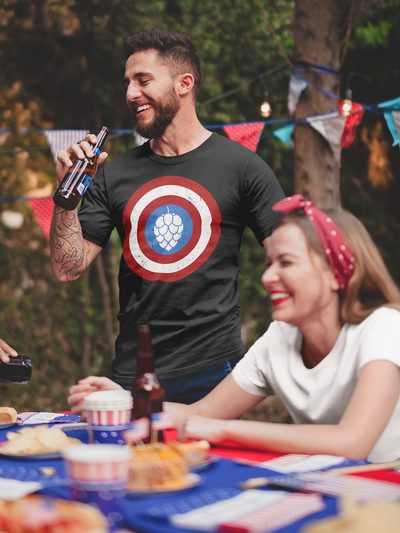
{"type": "Point", "coordinates": [8, 415]}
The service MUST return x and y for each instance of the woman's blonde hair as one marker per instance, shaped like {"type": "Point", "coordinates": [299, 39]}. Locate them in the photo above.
{"type": "Point", "coordinates": [371, 286]}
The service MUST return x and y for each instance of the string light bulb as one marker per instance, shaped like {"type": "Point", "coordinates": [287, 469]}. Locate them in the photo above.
{"type": "Point", "coordinates": [265, 108]}
{"type": "Point", "coordinates": [347, 104]}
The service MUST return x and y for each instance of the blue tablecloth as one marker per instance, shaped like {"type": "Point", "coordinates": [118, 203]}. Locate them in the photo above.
{"type": "Point", "coordinates": [224, 474]}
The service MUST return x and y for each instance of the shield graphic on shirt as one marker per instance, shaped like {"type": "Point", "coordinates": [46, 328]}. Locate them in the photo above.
{"type": "Point", "coordinates": [172, 226]}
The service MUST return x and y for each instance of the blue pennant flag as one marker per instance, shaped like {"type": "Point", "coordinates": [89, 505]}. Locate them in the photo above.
{"type": "Point", "coordinates": [392, 118]}
{"type": "Point", "coordinates": [284, 134]}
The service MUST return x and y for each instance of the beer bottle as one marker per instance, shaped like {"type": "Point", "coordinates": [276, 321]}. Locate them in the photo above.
{"type": "Point", "coordinates": [78, 177]}
{"type": "Point", "coordinates": [18, 370]}
{"type": "Point", "coordinates": [146, 390]}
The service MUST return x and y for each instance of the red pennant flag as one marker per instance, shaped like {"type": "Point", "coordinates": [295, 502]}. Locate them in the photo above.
{"type": "Point", "coordinates": [43, 209]}
{"type": "Point", "coordinates": [352, 121]}
{"type": "Point", "coordinates": [246, 134]}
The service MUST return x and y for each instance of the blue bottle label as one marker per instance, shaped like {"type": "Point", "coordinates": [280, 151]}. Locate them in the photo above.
{"type": "Point", "coordinates": [84, 184]}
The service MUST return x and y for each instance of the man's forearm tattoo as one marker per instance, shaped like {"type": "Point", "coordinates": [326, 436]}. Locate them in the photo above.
{"type": "Point", "coordinates": [67, 245]}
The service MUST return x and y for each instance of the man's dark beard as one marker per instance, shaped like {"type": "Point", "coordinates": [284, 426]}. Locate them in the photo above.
{"type": "Point", "coordinates": [164, 113]}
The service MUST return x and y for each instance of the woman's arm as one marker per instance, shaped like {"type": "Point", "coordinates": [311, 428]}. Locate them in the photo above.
{"type": "Point", "coordinates": [226, 401]}
{"type": "Point", "coordinates": [366, 416]}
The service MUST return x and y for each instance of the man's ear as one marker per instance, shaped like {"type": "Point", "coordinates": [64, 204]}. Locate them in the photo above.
{"type": "Point", "coordinates": [184, 83]}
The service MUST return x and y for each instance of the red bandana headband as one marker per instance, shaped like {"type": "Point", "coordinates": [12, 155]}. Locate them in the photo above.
{"type": "Point", "coordinates": [337, 250]}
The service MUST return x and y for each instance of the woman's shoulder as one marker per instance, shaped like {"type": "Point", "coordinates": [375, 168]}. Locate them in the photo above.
{"type": "Point", "coordinates": [382, 315]}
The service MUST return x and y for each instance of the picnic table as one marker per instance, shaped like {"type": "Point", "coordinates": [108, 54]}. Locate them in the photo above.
{"type": "Point", "coordinates": [231, 465]}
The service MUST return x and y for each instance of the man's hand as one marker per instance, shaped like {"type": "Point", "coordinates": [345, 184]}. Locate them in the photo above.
{"type": "Point", "coordinates": [66, 158]}
{"type": "Point", "coordinates": [6, 351]}
{"type": "Point", "coordinates": [86, 386]}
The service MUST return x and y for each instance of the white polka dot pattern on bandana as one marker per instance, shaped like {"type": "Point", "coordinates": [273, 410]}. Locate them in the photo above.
{"type": "Point", "coordinates": [337, 250]}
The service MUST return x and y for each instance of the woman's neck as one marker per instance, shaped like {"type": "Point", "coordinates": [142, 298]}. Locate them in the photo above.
{"type": "Point", "coordinates": [319, 339]}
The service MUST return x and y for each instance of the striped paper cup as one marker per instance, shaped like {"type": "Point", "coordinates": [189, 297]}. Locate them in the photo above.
{"type": "Point", "coordinates": [97, 463]}
{"type": "Point", "coordinates": [98, 475]}
{"type": "Point", "coordinates": [109, 408]}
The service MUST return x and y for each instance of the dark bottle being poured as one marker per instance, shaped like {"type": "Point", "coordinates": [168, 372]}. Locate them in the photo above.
{"type": "Point", "coordinates": [17, 371]}
{"type": "Point", "coordinates": [146, 390]}
{"type": "Point", "coordinates": [79, 176]}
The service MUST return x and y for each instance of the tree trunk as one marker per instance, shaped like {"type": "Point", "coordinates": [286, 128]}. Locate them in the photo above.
{"type": "Point", "coordinates": [321, 30]}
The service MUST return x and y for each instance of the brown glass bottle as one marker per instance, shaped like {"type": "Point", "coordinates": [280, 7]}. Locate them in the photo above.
{"type": "Point", "coordinates": [79, 176]}
{"type": "Point", "coordinates": [146, 390]}
{"type": "Point", "coordinates": [17, 371]}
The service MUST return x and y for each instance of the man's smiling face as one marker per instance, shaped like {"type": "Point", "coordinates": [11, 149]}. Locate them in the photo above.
{"type": "Point", "coordinates": [150, 93]}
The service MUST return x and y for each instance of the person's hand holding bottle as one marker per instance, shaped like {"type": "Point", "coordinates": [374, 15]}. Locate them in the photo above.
{"type": "Point", "coordinates": [6, 351]}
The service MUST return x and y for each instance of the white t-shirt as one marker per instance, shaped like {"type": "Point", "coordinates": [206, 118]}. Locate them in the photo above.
{"type": "Point", "coordinates": [319, 395]}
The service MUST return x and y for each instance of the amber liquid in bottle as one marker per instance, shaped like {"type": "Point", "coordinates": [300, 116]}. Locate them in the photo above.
{"type": "Point", "coordinates": [79, 176]}
{"type": "Point", "coordinates": [146, 390]}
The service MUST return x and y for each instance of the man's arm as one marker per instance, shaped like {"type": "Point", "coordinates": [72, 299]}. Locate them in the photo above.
{"type": "Point", "coordinates": [71, 254]}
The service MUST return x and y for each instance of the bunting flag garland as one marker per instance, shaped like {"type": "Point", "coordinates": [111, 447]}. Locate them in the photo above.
{"type": "Point", "coordinates": [139, 139]}
{"type": "Point", "coordinates": [392, 118]}
{"type": "Point", "coordinates": [246, 134]}
{"type": "Point", "coordinates": [284, 134]}
{"type": "Point", "coordinates": [330, 126]}
{"type": "Point", "coordinates": [352, 121]}
{"type": "Point", "coordinates": [61, 139]}
{"type": "Point", "coordinates": [43, 209]}
{"type": "Point", "coordinates": [296, 87]}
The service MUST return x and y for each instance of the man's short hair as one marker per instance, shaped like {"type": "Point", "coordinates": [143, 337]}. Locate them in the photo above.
{"type": "Point", "coordinates": [175, 50]}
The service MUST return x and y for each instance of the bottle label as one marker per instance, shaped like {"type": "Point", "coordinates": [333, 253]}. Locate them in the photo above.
{"type": "Point", "coordinates": [84, 184]}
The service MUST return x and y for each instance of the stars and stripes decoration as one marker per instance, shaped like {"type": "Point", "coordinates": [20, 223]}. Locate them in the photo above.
{"type": "Point", "coordinates": [161, 421]}
{"type": "Point", "coordinates": [138, 431]}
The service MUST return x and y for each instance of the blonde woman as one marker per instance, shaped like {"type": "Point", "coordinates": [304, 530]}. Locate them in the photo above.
{"type": "Point", "coordinates": [332, 353]}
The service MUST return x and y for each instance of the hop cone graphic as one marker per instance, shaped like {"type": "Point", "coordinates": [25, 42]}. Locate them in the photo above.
{"type": "Point", "coordinates": [168, 230]}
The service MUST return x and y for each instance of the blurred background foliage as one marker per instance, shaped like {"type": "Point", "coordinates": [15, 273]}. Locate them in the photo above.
{"type": "Point", "coordinates": [62, 68]}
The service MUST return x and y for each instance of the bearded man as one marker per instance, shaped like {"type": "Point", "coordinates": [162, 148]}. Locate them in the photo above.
{"type": "Point", "coordinates": [180, 203]}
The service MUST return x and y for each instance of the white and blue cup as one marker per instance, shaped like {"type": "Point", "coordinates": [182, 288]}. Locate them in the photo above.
{"type": "Point", "coordinates": [108, 414]}
{"type": "Point", "coordinates": [98, 476]}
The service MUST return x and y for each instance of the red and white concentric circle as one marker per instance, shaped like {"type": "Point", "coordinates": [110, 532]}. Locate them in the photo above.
{"type": "Point", "coordinates": [206, 221]}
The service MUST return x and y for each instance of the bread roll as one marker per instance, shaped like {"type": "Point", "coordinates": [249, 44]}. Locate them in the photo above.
{"type": "Point", "coordinates": [8, 415]}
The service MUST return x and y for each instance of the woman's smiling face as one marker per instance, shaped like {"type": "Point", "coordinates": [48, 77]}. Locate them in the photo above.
{"type": "Point", "coordinates": [300, 282]}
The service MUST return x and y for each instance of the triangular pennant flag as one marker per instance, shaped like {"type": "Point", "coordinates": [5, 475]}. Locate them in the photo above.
{"type": "Point", "coordinates": [61, 139]}
{"type": "Point", "coordinates": [284, 134]}
{"type": "Point", "coordinates": [352, 121]}
{"type": "Point", "coordinates": [396, 120]}
{"type": "Point", "coordinates": [390, 118]}
{"type": "Point", "coordinates": [331, 129]}
{"type": "Point", "coordinates": [246, 134]}
{"type": "Point", "coordinates": [43, 209]}
{"type": "Point", "coordinates": [139, 139]}
{"type": "Point", "coordinates": [296, 87]}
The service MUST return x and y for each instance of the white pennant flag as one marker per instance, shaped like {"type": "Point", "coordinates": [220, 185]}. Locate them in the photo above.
{"type": "Point", "coordinates": [396, 120]}
{"type": "Point", "coordinates": [331, 127]}
{"type": "Point", "coordinates": [61, 139]}
{"type": "Point", "coordinates": [139, 139]}
{"type": "Point", "coordinates": [296, 87]}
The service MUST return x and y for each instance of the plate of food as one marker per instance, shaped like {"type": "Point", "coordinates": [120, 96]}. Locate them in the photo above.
{"type": "Point", "coordinates": [159, 467]}
{"type": "Point", "coordinates": [203, 465]}
{"type": "Point", "coordinates": [38, 443]}
{"type": "Point", "coordinates": [8, 417]}
{"type": "Point", "coordinates": [184, 483]}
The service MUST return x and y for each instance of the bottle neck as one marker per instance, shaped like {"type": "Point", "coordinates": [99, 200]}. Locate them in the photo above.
{"type": "Point", "coordinates": [145, 360]}
{"type": "Point", "coordinates": [101, 139]}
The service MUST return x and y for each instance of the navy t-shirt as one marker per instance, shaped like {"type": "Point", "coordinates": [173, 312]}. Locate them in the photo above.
{"type": "Point", "coordinates": [180, 220]}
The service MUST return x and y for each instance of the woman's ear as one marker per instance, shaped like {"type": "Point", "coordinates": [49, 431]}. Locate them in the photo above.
{"type": "Point", "coordinates": [335, 284]}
